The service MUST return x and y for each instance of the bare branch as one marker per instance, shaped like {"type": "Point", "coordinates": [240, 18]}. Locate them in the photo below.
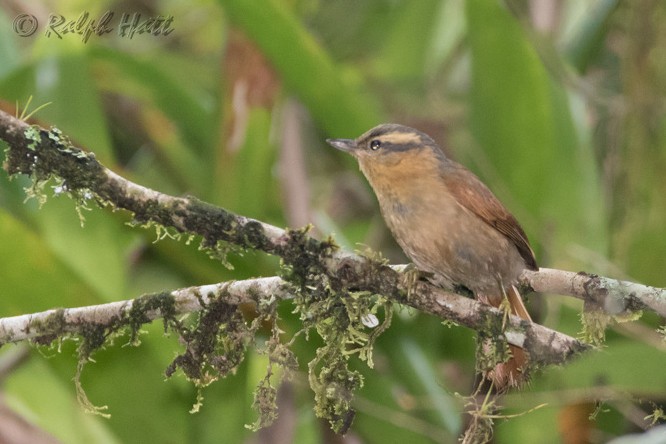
{"type": "Point", "coordinates": [611, 295]}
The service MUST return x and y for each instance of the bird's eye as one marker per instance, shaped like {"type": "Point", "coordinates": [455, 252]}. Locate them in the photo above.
{"type": "Point", "coordinates": [375, 145]}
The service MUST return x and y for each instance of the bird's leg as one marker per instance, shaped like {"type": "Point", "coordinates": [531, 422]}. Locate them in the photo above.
{"type": "Point", "coordinates": [411, 275]}
{"type": "Point", "coordinates": [505, 304]}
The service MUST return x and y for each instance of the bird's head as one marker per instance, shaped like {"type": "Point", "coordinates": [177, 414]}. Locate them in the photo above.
{"type": "Point", "coordinates": [392, 151]}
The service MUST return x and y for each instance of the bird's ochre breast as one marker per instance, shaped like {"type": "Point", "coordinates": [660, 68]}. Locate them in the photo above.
{"type": "Point", "coordinates": [437, 233]}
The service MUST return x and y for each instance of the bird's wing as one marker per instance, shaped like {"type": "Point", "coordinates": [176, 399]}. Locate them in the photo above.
{"type": "Point", "coordinates": [472, 194]}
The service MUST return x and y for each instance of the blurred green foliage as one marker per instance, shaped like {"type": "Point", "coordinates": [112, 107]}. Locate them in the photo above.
{"type": "Point", "coordinates": [559, 109]}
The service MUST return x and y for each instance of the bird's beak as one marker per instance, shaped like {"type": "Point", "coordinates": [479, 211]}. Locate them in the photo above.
{"type": "Point", "coordinates": [346, 145]}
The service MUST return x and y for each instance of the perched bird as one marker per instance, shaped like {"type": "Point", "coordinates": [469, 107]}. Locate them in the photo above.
{"type": "Point", "coordinates": [447, 221]}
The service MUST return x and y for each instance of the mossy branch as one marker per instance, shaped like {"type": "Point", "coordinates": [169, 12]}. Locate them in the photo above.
{"type": "Point", "coordinates": [548, 346]}
{"type": "Point", "coordinates": [45, 154]}
{"type": "Point", "coordinates": [315, 270]}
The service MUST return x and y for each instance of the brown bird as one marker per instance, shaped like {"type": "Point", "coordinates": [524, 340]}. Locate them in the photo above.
{"type": "Point", "coordinates": [447, 221]}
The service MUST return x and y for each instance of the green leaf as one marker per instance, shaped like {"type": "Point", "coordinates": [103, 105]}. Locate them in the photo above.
{"type": "Point", "coordinates": [588, 38]}
{"type": "Point", "coordinates": [9, 53]}
{"type": "Point", "coordinates": [616, 366]}
{"type": "Point", "coordinates": [226, 408]}
{"type": "Point", "coordinates": [33, 279]}
{"type": "Point", "coordinates": [444, 407]}
{"type": "Point", "coordinates": [186, 106]}
{"type": "Point", "coordinates": [523, 121]}
{"type": "Point", "coordinates": [51, 405]}
{"type": "Point", "coordinates": [63, 77]}
{"type": "Point", "coordinates": [96, 252]}
{"type": "Point", "coordinates": [336, 99]}
{"type": "Point", "coordinates": [244, 183]}
{"type": "Point", "coordinates": [407, 49]}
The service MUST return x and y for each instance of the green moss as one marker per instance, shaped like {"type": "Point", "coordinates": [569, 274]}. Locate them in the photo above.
{"type": "Point", "coordinates": [662, 332]}
{"type": "Point", "coordinates": [221, 252]}
{"type": "Point", "coordinates": [53, 327]}
{"type": "Point", "coordinates": [594, 322]}
{"type": "Point", "coordinates": [339, 317]}
{"type": "Point", "coordinates": [303, 259]}
{"type": "Point", "coordinates": [481, 422]}
{"type": "Point", "coordinates": [658, 416]}
{"type": "Point", "coordinates": [215, 343]}
{"type": "Point", "coordinates": [32, 135]}
{"type": "Point", "coordinates": [345, 320]}
{"type": "Point", "coordinates": [334, 386]}
{"type": "Point", "coordinates": [50, 157]}
{"type": "Point", "coordinates": [137, 316]}
{"type": "Point", "coordinates": [492, 346]}
{"type": "Point", "coordinates": [265, 404]}
{"type": "Point", "coordinates": [78, 169]}
{"type": "Point", "coordinates": [151, 213]}
{"type": "Point", "coordinates": [92, 337]}
{"type": "Point", "coordinates": [279, 354]}
{"type": "Point", "coordinates": [377, 257]}
{"type": "Point", "coordinates": [215, 224]}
